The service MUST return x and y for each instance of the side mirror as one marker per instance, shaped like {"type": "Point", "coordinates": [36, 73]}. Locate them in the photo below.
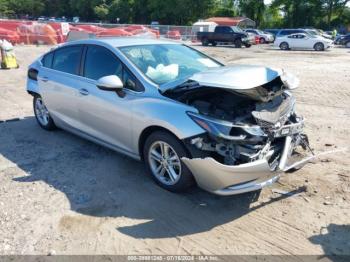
{"type": "Point", "coordinates": [110, 83]}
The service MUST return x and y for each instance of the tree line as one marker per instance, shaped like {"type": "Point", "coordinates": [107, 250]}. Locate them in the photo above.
{"type": "Point", "coordinates": [325, 14]}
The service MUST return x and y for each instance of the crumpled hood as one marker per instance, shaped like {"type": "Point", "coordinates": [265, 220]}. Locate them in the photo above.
{"type": "Point", "coordinates": [236, 77]}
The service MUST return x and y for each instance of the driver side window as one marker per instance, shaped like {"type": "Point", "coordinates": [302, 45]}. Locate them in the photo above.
{"type": "Point", "coordinates": [100, 62]}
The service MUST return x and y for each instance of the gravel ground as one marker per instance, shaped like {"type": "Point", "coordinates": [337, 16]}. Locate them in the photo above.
{"type": "Point", "coordinates": [60, 194]}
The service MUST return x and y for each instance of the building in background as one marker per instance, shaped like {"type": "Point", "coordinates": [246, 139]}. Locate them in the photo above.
{"type": "Point", "coordinates": [243, 22]}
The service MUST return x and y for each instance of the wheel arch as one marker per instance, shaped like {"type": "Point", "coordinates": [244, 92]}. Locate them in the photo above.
{"type": "Point", "coordinates": [147, 132]}
{"type": "Point", "coordinates": [33, 93]}
{"type": "Point", "coordinates": [284, 42]}
{"type": "Point", "coordinates": [319, 43]}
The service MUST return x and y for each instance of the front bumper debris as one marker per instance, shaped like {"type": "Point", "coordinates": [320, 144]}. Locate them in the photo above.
{"type": "Point", "coordinates": [222, 179]}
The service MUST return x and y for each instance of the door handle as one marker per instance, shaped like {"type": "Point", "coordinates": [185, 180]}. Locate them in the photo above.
{"type": "Point", "coordinates": [84, 92]}
{"type": "Point", "coordinates": [45, 79]}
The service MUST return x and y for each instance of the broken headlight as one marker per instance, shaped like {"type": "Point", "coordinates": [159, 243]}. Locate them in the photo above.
{"type": "Point", "coordinates": [225, 129]}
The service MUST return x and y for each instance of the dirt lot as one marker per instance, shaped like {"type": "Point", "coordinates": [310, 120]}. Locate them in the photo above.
{"type": "Point", "coordinates": [64, 195]}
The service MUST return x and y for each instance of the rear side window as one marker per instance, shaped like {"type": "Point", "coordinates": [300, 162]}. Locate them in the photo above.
{"type": "Point", "coordinates": [67, 59]}
{"type": "Point", "coordinates": [47, 60]}
{"type": "Point", "coordinates": [285, 32]}
{"type": "Point", "coordinates": [219, 29]}
{"type": "Point", "coordinates": [227, 30]}
{"type": "Point", "coordinates": [100, 62]}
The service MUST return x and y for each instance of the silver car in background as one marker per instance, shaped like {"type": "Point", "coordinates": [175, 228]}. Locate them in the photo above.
{"type": "Point", "coordinates": [192, 120]}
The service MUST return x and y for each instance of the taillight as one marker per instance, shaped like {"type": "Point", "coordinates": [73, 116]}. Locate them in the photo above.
{"type": "Point", "coordinates": [33, 74]}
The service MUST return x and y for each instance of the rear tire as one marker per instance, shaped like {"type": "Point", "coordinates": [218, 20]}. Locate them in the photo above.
{"type": "Point", "coordinates": [238, 43]}
{"type": "Point", "coordinates": [284, 46]}
{"type": "Point", "coordinates": [162, 154]}
{"type": "Point", "coordinates": [347, 44]}
{"type": "Point", "coordinates": [42, 115]}
{"type": "Point", "coordinates": [319, 47]}
{"type": "Point", "coordinates": [214, 43]}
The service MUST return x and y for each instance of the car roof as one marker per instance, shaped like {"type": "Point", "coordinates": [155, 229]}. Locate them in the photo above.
{"type": "Point", "coordinates": [291, 29]}
{"type": "Point", "coordinates": [123, 41]}
{"type": "Point", "coordinates": [297, 34]}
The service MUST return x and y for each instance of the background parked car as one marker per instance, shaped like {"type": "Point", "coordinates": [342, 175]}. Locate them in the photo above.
{"type": "Point", "coordinates": [303, 41]}
{"type": "Point", "coordinates": [263, 37]}
{"type": "Point", "coordinates": [253, 39]}
{"type": "Point", "coordinates": [285, 32]}
{"type": "Point", "coordinates": [272, 31]}
{"type": "Point", "coordinates": [174, 34]}
{"type": "Point", "coordinates": [318, 32]}
{"type": "Point", "coordinates": [225, 34]}
{"type": "Point", "coordinates": [343, 40]}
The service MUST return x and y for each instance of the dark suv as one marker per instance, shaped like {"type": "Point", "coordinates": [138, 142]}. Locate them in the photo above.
{"type": "Point", "coordinates": [343, 40]}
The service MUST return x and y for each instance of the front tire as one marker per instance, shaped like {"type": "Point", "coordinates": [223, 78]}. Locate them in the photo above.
{"type": "Point", "coordinates": [262, 40]}
{"type": "Point", "coordinates": [347, 44]}
{"type": "Point", "coordinates": [319, 47]}
{"type": "Point", "coordinates": [42, 115]}
{"type": "Point", "coordinates": [162, 154]}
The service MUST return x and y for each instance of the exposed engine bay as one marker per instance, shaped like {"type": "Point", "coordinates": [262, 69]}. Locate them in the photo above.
{"type": "Point", "coordinates": [243, 125]}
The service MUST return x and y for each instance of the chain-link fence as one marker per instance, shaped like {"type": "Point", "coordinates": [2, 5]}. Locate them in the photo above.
{"type": "Point", "coordinates": [51, 32]}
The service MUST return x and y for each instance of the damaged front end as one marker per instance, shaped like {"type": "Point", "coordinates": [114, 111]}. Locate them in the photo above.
{"type": "Point", "coordinates": [252, 134]}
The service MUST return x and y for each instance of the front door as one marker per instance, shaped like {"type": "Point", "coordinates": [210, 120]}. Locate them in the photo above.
{"type": "Point", "coordinates": [105, 115]}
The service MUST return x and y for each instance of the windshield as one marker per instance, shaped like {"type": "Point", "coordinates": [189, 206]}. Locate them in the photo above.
{"type": "Point", "coordinates": [236, 29]}
{"type": "Point", "coordinates": [166, 63]}
{"type": "Point", "coordinates": [312, 32]}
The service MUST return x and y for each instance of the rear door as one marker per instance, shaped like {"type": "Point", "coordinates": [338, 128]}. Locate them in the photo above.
{"type": "Point", "coordinates": [229, 35]}
{"type": "Point", "coordinates": [59, 85]}
{"type": "Point", "coordinates": [219, 34]}
{"type": "Point", "coordinates": [291, 41]}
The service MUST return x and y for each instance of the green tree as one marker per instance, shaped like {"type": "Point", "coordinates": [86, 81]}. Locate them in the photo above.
{"type": "Point", "coordinates": [122, 9]}
{"type": "Point", "coordinates": [272, 18]}
{"type": "Point", "coordinates": [4, 7]}
{"type": "Point", "coordinates": [253, 9]}
{"type": "Point", "coordinates": [225, 8]}
{"type": "Point", "coordinates": [333, 8]}
{"type": "Point", "coordinates": [24, 7]}
{"type": "Point", "coordinates": [101, 11]}
{"type": "Point", "coordinates": [299, 13]}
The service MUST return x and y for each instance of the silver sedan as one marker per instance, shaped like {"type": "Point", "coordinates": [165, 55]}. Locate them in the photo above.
{"type": "Point", "coordinates": [192, 120]}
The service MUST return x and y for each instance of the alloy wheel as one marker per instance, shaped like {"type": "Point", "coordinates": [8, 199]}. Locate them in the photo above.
{"type": "Point", "coordinates": [284, 46]}
{"type": "Point", "coordinates": [41, 112]}
{"type": "Point", "coordinates": [164, 162]}
{"type": "Point", "coordinates": [319, 47]}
